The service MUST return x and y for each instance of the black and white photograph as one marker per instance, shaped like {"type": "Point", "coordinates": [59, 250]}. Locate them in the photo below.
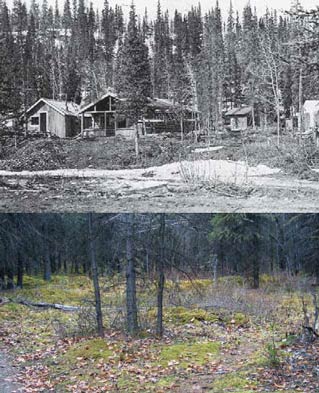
{"type": "Point", "coordinates": [152, 106]}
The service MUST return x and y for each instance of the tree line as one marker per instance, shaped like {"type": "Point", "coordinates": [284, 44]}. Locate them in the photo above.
{"type": "Point", "coordinates": [242, 244]}
{"type": "Point", "coordinates": [153, 247]}
{"type": "Point", "coordinates": [196, 58]}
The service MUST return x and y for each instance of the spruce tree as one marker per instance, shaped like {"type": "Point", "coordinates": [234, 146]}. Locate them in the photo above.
{"type": "Point", "coordinates": [10, 60]}
{"type": "Point", "coordinates": [160, 56]}
{"type": "Point", "coordinates": [133, 82]}
{"type": "Point", "coordinates": [232, 70]}
{"type": "Point", "coordinates": [67, 16]}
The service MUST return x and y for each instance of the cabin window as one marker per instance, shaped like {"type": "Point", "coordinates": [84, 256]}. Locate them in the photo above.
{"type": "Point", "coordinates": [121, 123]}
{"type": "Point", "coordinates": [35, 120]}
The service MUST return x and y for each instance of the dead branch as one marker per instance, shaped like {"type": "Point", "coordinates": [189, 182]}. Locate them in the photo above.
{"type": "Point", "coordinates": [43, 305]}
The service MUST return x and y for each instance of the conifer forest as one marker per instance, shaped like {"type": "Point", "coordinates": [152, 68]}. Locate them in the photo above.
{"type": "Point", "coordinates": [159, 302]}
{"type": "Point", "coordinates": [77, 52]}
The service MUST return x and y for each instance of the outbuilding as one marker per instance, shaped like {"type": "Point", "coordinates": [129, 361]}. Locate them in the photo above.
{"type": "Point", "coordinates": [53, 117]}
{"type": "Point", "coordinates": [239, 118]}
{"type": "Point", "coordinates": [310, 115]}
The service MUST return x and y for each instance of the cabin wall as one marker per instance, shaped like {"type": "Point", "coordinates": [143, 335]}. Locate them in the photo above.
{"type": "Point", "coordinates": [55, 120]}
{"type": "Point", "coordinates": [34, 113]}
{"type": "Point", "coordinates": [72, 126]}
{"type": "Point", "coordinates": [238, 123]}
{"type": "Point", "coordinates": [306, 121]}
{"type": "Point", "coordinates": [310, 119]}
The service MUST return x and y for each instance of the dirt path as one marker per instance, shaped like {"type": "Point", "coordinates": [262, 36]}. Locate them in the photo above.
{"type": "Point", "coordinates": [188, 186]}
{"type": "Point", "coordinates": [7, 375]}
{"type": "Point", "coordinates": [232, 360]}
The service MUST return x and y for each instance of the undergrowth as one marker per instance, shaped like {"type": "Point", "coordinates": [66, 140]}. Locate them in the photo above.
{"type": "Point", "coordinates": [211, 323]}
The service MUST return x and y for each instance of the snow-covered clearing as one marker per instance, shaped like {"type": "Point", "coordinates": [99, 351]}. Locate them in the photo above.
{"type": "Point", "coordinates": [198, 185]}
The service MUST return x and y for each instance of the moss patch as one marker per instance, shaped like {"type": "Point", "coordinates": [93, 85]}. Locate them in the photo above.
{"type": "Point", "coordinates": [189, 353]}
{"type": "Point", "coordinates": [233, 382]}
{"type": "Point", "coordinates": [182, 315]}
{"type": "Point", "coordinates": [240, 319]}
{"type": "Point", "coordinates": [91, 349]}
{"type": "Point", "coordinates": [11, 311]}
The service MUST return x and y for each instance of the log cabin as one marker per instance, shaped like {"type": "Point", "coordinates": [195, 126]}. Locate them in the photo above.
{"type": "Point", "coordinates": [101, 117]}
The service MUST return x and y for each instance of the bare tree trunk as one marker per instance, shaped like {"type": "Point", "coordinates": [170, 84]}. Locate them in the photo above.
{"type": "Point", "coordinates": [300, 101]}
{"type": "Point", "coordinates": [256, 273]}
{"type": "Point", "coordinates": [95, 278]}
{"type": "Point", "coordinates": [19, 271]}
{"type": "Point", "coordinates": [47, 271]}
{"type": "Point", "coordinates": [10, 279]}
{"type": "Point", "coordinates": [182, 128]}
{"type": "Point", "coordinates": [278, 123]}
{"type": "Point", "coordinates": [255, 258]}
{"type": "Point", "coordinates": [131, 304]}
{"type": "Point", "coordinates": [161, 279]}
{"type": "Point", "coordinates": [215, 266]}
{"type": "Point", "coordinates": [136, 139]}
{"type": "Point", "coordinates": [253, 115]}
{"type": "Point", "coordinates": [47, 265]}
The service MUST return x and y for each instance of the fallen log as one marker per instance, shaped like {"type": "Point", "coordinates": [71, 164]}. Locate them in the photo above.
{"type": "Point", "coordinates": [28, 303]}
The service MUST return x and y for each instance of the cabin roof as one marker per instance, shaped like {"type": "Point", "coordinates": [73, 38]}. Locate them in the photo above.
{"type": "Point", "coordinates": [244, 111]}
{"type": "Point", "coordinates": [165, 104]}
{"type": "Point", "coordinates": [87, 106]}
{"type": "Point", "coordinates": [63, 107]}
{"type": "Point", "coordinates": [154, 103]}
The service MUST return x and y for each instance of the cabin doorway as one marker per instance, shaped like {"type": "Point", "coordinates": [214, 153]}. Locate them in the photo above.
{"type": "Point", "coordinates": [43, 122]}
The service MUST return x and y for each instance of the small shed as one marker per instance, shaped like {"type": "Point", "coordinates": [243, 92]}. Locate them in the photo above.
{"type": "Point", "coordinates": [310, 114]}
{"type": "Point", "coordinates": [53, 117]}
{"type": "Point", "coordinates": [240, 118]}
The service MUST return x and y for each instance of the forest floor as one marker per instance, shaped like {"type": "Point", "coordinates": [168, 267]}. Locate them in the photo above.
{"type": "Point", "coordinates": [8, 376]}
{"type": "Point", "coordinates": [218, 337]}
{"type": "Point", "coordinates": [230, 174]}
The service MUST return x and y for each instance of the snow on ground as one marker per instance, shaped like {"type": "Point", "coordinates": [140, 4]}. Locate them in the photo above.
{"type": "Point", "coordinates": [223, 169]}
{"type": "Point", "coordinates": [208, 149]}
{"type": "Point", "coordinates": [176, 174]}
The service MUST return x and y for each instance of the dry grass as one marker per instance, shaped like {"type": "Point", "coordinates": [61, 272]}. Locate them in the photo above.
{"type": "Point", "coordinates": [235, 186]}
{"type": "Point", "coordinates": [293, 156]}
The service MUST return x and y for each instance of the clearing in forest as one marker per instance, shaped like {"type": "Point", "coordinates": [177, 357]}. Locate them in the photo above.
{"type": "Point", "coordinates": [250, 173]}
{"type": "Point", "coordinates": [218, 337]}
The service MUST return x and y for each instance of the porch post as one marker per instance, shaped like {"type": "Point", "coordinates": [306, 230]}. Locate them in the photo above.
{"type": "Point", "coordinates": [82, 124]}
{"type": "Point", "coordinates": [105, 123]}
